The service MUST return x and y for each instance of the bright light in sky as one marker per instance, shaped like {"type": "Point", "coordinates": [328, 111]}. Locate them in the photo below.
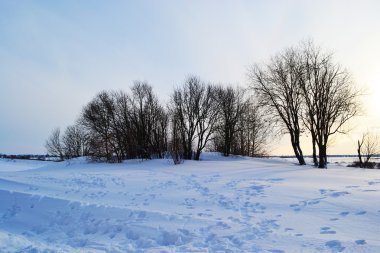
{"type": "Point", "coordinates": [56, 55]}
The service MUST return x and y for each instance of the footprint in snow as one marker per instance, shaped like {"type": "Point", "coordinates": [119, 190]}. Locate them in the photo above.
{"type": "Point", "coordinates": [335, 246]}
{"type": "Point", "coordinates": [326, 230]}
{"type": "Point", "coordinates": [273, 180]}
{"type": "Point", "coordinates": [220, 225]}
{"type": "Point", "coordinates": [360, 242]}
{"type": "Point", "coordinates": [276, 251]}
{"type": "Point", "coordinates": [344, 213]}
{"type": "Point", "coordinates": [332, 193]}
{"type": "Point", "coordinates": [313, 202]}
{"type": "Point", "coordinates": [304, 203]}
{"type": "Point", "coordinates": [338, 194]}
{"type": "Point", "coordinates": [352, 186]}
{"type": "Point", "coordinates": [370, 190]}
{"type": "Point", "coordinates": [295, 207]}
{"type": "Point", "coordinates": [204, 215]}
{"type": "Point", "coordinates": [189, 203]}
{"type": "Point", "coordinates": [360, 213]}
{"type": "Point", "coordinates": [377, 181]}
{"type": "Point", "coordinates": [236, 220]}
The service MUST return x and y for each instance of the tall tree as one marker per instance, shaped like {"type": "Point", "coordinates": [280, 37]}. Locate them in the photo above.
{"type": "Point", "coordinates": [175, 145]}
{"type": "Point", "coordinates": [254, 131]}
{"type": "Point", "coordinates": [53, 144]}
{"type": "Point", "coordinates": [231, 105]}
{"type": "Point", "coordinates": [278, 89]}
{"type": "Point", "coordinates": [207, 118]}
{"type": "Point", "coordinates": [330, 98]}
{"type": "Point", "coordinates": [149, 121]}
{"type": "Point", "coordinates": [74, 142]}
{"type": "Point", "coordinates": [193, 109]}
{"type": "Point", "coordinates": [98, 119]}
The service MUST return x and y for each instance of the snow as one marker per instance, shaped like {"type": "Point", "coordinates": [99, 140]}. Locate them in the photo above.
{"type": "Point", "coordinates": [17, 165]}
{"type": "Point", "coordinates": [218, 204]}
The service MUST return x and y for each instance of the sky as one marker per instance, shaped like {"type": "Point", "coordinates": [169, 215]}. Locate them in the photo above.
{"type": "Point", "coordinates": [55, 56]}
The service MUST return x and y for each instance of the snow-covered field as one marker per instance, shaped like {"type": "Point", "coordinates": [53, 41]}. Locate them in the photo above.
{"type": "Point", "coordinates": [215, 205]}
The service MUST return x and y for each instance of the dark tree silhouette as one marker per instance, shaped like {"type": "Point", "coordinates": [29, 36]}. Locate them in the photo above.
{"type": "Point", "coordinates": [253, 132]}
{"type": "Point", "coordinates": [53, 144]}
{"type": "Point", "coordinates": [368, 146]}
{"type": "Point", "coordinates": [330, 97]}
{"type": "Point", "coordinates": [149, 121]}
{"type": "Point", "coordinates": [277, 87]}
{"type": "Point", "coordinates": [74, 142]}
{"type": "Point", "coordinates": [193, 109]}
{"type": "Point", "coordinates": [231, 105]}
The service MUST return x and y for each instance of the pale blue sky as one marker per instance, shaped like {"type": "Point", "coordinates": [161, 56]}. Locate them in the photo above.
{"type": "Point", "coordinates": [56, 55]}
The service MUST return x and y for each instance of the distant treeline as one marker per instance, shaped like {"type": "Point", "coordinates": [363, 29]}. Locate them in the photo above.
{"type": "Point", "coordinates": [28, 157]}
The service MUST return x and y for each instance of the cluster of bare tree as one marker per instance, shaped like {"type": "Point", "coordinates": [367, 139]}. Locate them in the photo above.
{"type": "Point", "coordinates": [242, 127]}
{"type": "Point", "coordinates": [304, 89]}
{"type": "Point", "coordinates": [301, 89]}
{"type": "Point", "coordinates": [120, 126]}
{"type": "Point", "coordinates": [223, 118]}
{"type": "Point", "coordinates": [115, 126]}
{"type": "Point", "coordinates": [72, 144]}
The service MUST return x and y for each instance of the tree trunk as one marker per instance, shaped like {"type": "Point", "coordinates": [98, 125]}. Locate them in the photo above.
{"type": "Point", "coordinates": [299, 155]}
{"type": "Point", "coordinates": [197, 155]}
{"type": "Point", "coordinates": [297, 149]}
{"type": "Point", "coordinates": [227, 148]}
{"type": "Point", "coordinates": [189, 151]}
{"type": "Point", "coordinates": [322, 157]}
{"type": "Point", "coordinates": [227, 143]}
{"type": "Point", "coordinates": [360, 155]}
{"type": "Point", "coordinates": [315, 160]}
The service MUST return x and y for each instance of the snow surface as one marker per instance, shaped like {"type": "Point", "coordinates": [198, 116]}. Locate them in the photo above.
{"type": "Point", "coordinates": [216, 205]}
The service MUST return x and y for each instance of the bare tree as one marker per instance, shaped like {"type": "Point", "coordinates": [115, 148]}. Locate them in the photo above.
{"type": "Point", "coordinates": [277, 87]}
{"type": "Point", "coordinates": [185, 105]}
{"type": "Point", "coordinates": [97, 118]}
{"type": "Point", "coordinates": [74, 142]}
{"type": "Point", "coordinates": [53, 144]}
{"type": "Point", "coordinates": [368, 146]}
{"type": "Point", "coordinates": [192, 107]}
{"type": "Point", "coordinates": [149, 121]}
{"type": "Point", "coordinates": [254, 131]}
{"type": "Point", "coordinates": [329, 95]}
{"type": "Point", "coordinates": [159, 133]}
{"type": "Point", "coordinates": [207, 118]}
{"type": "Point", "coordinates": [120, 126]}
{"type": "Point", "coordinates": [175, 146]}
{"type": "Point", "coordinates": [231, 105]}
{"type": "Point", "coordinates": [123, 124]}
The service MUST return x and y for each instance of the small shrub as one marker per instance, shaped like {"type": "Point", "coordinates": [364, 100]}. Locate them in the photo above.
{"type": "Point", "coordinates": [368, 165]}
{"type": "Point", "coordinates": [355, 164]}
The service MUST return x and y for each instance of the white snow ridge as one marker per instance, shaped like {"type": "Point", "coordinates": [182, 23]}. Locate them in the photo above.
{"type": "Point", "coordinates": [215, 205]}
